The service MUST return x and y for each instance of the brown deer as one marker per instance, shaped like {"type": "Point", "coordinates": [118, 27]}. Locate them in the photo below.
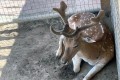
{"type": "Point", "coordinates": [84, 37]}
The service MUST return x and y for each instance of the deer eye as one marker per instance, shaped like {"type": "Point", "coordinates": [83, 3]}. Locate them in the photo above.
{"type": "Point", "coordinates": [75, 46]}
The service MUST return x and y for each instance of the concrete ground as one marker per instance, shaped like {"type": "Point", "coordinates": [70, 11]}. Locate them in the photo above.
{"type": "Point", "coordinates": [27, 52]}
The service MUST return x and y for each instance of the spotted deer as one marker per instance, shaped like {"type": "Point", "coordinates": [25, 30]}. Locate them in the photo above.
{"type": "Point", "coordinates": [84, 37]}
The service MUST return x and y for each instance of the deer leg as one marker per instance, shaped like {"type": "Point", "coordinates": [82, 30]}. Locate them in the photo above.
{"type": "Point", "coordinates": [76, 63]}
{"type": "Point", "coordinates": [93, 71]}
{"type": "Point", "coordinates": [60, 48]}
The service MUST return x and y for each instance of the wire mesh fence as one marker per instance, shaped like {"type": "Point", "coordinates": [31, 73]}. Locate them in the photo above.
{"type": "Point", "coordinates": [26, 10]}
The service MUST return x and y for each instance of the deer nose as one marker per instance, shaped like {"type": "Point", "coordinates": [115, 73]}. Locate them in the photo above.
{"type": "Point", "coordinates": [63, 61]}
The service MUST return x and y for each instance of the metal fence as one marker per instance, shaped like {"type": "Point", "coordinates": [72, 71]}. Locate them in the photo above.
{"type": "Point", "coordinates": [26, 10]}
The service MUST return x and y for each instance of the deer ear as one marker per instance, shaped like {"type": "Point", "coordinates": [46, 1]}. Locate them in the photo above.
{"type": "Point", "coordinates": [93, 34]}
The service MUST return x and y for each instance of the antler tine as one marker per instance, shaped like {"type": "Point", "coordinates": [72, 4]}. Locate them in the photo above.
{"type": "Point", "coordinates": [61, 11]}
{"type": "Point", "coordinates": [60, 32]}
{"type": "Point", "coordinates": [55, 32]}
{"type": "Point", "coordinates": [100, 15]}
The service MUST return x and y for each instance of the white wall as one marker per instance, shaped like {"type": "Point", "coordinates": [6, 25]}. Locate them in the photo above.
{"type": "Point", "coordinates": [115, 6]}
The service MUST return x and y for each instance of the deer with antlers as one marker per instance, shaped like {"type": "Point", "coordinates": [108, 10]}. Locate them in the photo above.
{"type": "Point", "coordinates": [84, 37]}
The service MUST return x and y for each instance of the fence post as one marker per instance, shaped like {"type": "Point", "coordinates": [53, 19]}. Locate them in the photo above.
{"type": "Point", "coordinates": [105, 5]}
{"type": "Point", "coordinates": [115, 14]}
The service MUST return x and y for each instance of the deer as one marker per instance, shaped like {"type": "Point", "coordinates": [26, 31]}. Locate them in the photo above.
{"type": "Point", "coordinates": [84, 37]}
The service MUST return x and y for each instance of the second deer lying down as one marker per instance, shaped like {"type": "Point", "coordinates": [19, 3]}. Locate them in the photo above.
{"type": "Point", "coordinates": [84, 37]}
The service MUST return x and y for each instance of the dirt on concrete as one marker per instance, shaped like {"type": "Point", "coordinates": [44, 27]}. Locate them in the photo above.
{"type": "Point", "coordinates": [28, 53]}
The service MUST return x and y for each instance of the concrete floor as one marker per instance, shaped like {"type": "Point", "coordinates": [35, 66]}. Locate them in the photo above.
{"type": "Point", "coordinates": [27, 52]}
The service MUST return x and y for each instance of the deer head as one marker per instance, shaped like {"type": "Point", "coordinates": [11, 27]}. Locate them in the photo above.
{"type": "Point", "coordinates": [77, 31]}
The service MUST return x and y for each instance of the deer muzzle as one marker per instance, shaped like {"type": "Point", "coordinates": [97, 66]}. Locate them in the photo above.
{"type": "Point", "coordinates": [64, 61]}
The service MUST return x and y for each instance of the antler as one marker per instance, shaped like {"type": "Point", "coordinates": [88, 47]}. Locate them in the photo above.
{"type": "Point", "coordinates": [63, 32]}
{"type": "Point", "coordinates": [62, 14]}
{"type": "Point", "coordinates": [61, 11]}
